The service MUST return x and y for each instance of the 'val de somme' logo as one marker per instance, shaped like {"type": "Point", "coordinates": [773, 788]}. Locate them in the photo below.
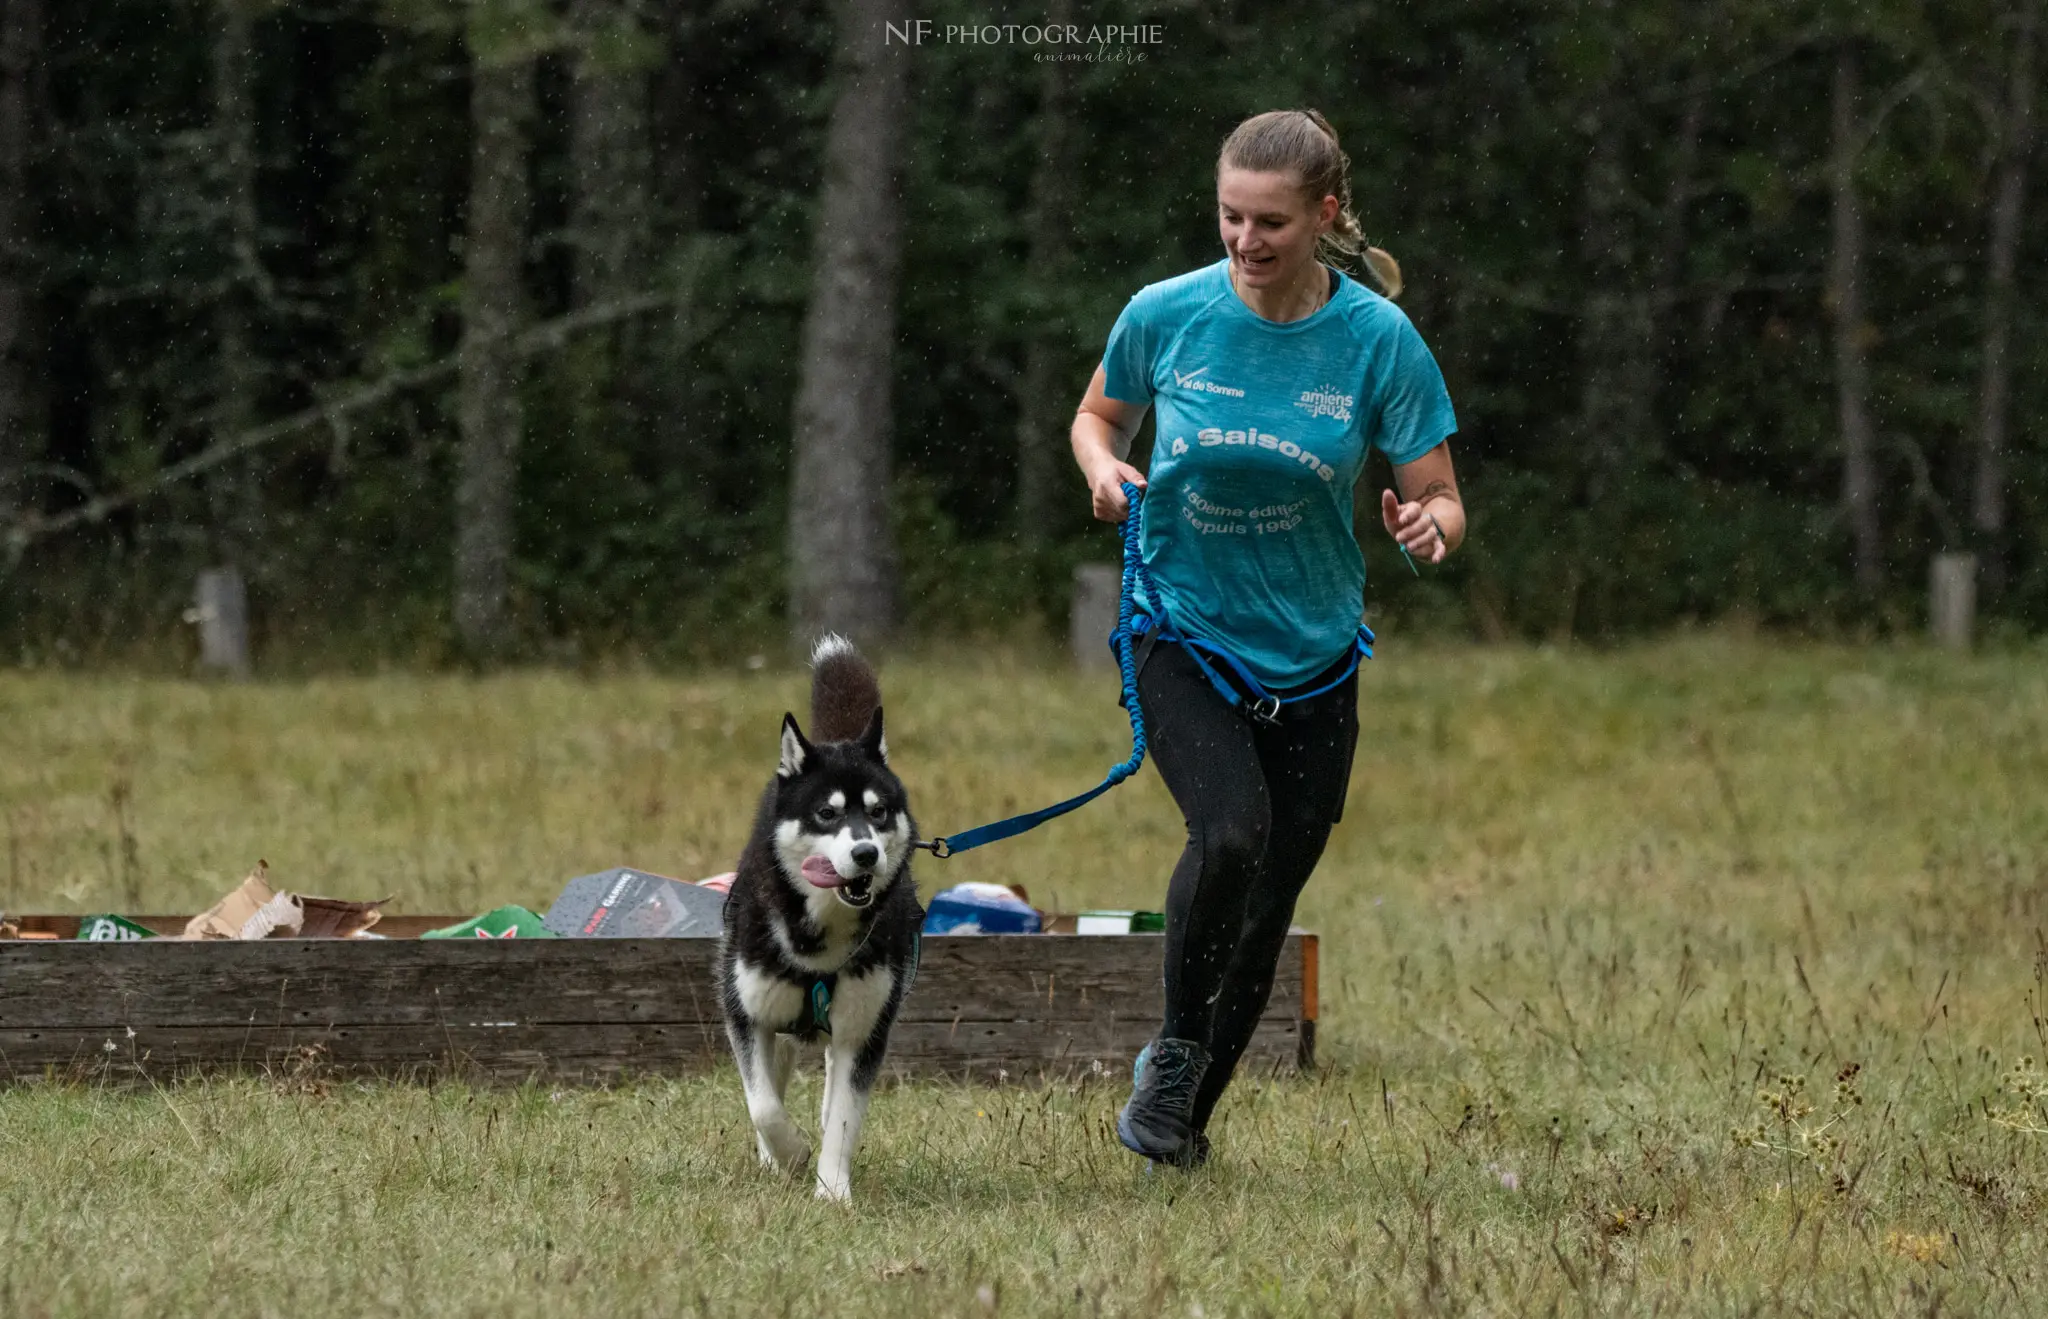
{"type": "Point", "coordinates": [1325, 402]}
{"type": "Point", "coordinates": [1192, 380]}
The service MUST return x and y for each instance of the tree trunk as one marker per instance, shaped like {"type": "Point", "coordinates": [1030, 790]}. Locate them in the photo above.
{"type": "Point", "coordinates": [1613, 444]}
{"type": "Point", "coordinates": [842, 567]}
{"type": "Point", "coordinates": [501, 104]}
{"type": "Point", "coordinates": [1987, 495]}
{"type": "Point", "coordinates": [1045, 401]}
{"type": "Point", "coordinates": [1667, 263]}
{"type": "Point", "coordinates": [678, 118]}
{"type": "Point", "coordinates": [677, 131]}
{"type": "Point", "coordinates": [1852, 331]}
{"type": "Point", "coordinates": [611, 225]}
{"type": "Point", "coordinates": [610, 151]}
{"type": "Point", "coordinates": [20, 42]}
{"type": "Point", "coordinates": [234, 491]}
{"type": "Point", "coordinates": [1615, 348]}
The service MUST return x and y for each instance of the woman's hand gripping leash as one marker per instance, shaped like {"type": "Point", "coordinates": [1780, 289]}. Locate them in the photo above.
{"type": "Point", "coordinates": [1106, 487]}
{"type": "Point", "coordinates": [1413, 529]}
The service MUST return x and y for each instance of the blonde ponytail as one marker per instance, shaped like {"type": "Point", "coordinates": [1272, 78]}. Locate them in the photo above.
{"type": "Point", "coordinates": [1384, 269]}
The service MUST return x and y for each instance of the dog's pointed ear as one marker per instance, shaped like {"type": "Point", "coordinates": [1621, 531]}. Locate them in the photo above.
{"type": "Point", "coordinates": [796, 749]}
{"type": "Point", "coordinates": [873, 741]}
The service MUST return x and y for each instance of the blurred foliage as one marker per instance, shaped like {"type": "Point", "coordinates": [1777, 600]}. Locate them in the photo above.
{"type": "Point", "coordinates": [1531, 162]}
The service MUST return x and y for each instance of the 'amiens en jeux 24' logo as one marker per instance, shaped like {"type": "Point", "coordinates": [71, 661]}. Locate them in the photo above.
{"type": "Point", "coordinates": [1325, 401]}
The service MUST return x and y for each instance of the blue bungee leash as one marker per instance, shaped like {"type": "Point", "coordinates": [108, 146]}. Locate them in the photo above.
{"type": "Point", "coordinates": [1242, 690]}
{"type": "Point", "coordinates": [1126, 646]}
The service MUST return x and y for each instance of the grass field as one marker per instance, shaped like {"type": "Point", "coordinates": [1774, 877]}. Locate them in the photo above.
{"type": "Point", "coordinates": [1694, 977]}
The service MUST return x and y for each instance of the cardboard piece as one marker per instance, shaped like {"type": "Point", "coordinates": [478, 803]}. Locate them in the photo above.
{"type": "Point", "coordinates": [331, 918]}
{"type": "Point", "coordinates": [12, 930]}
{"type": "Point", "coordinates": [257, 911]}
{"type": "Point", "coordinates": [252, 911]}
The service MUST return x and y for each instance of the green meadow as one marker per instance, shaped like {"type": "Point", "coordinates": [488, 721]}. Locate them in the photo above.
{"type": "Point", "coordinates": [1707, 975]}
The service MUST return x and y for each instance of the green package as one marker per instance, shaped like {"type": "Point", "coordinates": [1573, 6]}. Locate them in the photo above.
{"type": "Point", "coordinates": [511, 922]}
{"type": "Point", "coordinates": [111, 929]}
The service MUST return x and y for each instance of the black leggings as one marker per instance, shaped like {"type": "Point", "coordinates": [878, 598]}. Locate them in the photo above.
{"type": "Point", "coordinates": [1259, 801]}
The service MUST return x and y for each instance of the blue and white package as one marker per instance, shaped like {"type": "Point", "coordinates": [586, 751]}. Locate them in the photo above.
{"type": "Point", "coordinates": [979, 909]}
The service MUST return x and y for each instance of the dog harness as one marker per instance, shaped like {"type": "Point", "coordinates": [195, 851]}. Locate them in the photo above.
{"type": "Point", "coordinates": [819, 997]}
{"type": "Point", "coordinates": [820, 1002]}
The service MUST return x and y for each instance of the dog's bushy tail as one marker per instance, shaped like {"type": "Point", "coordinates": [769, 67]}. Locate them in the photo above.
{"type": "Point", "coordinates": [844, 693]}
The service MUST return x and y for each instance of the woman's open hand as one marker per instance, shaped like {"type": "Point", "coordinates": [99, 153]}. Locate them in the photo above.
{"type": "Point", "coordinates": [1412, 528]}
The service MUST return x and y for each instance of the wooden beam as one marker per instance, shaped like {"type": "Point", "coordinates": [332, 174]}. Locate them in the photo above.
{"type": "Point", "coordinates": [1019, 1007]}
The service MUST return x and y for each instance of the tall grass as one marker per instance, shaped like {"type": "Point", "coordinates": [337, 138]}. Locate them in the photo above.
{"type": "Point", "coordinates": [1695, 976]}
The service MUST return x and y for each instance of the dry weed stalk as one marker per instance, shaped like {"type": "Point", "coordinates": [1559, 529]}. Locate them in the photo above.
{"type": "Point", "coordinates": [1791, 1127]}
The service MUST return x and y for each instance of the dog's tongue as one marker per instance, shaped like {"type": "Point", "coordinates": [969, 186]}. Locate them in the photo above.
{"type": "Point", "coordinates": [820, 871]}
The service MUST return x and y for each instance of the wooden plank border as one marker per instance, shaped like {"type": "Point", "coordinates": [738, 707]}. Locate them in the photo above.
{"type": "Point", "coordinates": [998, 1007]}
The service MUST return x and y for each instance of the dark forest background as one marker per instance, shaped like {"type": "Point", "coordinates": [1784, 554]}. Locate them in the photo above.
{"type": "Point", "coordinates": [520, 329]}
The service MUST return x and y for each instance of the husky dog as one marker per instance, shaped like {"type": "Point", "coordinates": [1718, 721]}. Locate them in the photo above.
{"type": "Point", "coordinates": [822, 923]}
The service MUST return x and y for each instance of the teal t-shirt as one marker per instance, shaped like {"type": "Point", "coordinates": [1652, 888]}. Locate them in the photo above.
{"type": "Point", "coordinates": [1262, 431]}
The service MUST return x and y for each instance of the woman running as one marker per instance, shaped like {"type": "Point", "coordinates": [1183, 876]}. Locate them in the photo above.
{"type": "Point", "coordinates": [1273, 375]}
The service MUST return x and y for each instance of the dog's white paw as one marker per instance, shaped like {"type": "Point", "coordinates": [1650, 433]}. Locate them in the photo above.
{"type": "Point", "coordinates": [836, 1191]}
{"type": "Point", "coordinates": [783, 1150]}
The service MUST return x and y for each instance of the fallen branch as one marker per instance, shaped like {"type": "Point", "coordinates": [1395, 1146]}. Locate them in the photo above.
{"type": "Point", "coordinates": [548, 336]}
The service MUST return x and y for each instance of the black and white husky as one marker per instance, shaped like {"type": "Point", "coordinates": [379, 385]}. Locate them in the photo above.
{"type": "Point", "coordinates": [822, 923]}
